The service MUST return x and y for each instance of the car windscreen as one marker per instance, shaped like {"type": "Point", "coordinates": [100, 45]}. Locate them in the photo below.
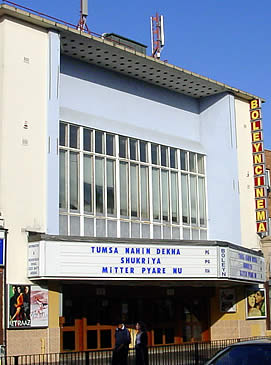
{"type": "Point", "coordinates": [256, 354]}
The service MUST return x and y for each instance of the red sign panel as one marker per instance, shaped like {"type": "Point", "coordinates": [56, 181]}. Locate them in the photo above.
{"type": "Point", "coordinates": [258, 165]}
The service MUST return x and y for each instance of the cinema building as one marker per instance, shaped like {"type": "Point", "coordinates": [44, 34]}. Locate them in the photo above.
{"type": "Point", "coordinates": [127, 191]}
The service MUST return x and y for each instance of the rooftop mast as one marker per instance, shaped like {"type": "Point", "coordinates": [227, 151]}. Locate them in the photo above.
{"type": "Point", "coordinates": [82, 24]}
{"type": "Point", "coordinates": [157, 35]}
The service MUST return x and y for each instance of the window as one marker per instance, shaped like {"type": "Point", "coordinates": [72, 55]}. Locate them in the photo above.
{"type": "Point", "coordinates": [147, 189]}
{"type": "Point", "coordinates": [74, 136]}
{"type": "Point", "coordinates": [62, 179]}
{"type": "Point", "coordinates": [134, 190]}
{"type": "Point", "coordinates": [133, 149]}
{"type": "Point", "coordinates": [154, 154]}
{"type": "Point", "coordinates": [63, 134]}
{"type": "Point", "coordinates": [144, 192]}
{"type": "Point", "coordinates": [87, 139]}
{"type": "Point", "coordinates": [99, 184]}
{"type": "Point", "coordinates": [88, 184]}
{"type": "Point", "coordinates": [123, 147]}
{"type": "Point", "coordinates": [74, 181]}
{"type": "Point", "coordinates": [164, 156]}
{"type": "Point", "coordinates": [143, 151]}
{"type": "Point", "coordinates": [173, 158]}
{"type": "Point", "coordinates": [123, 188]}
{"type": "Point", "coordinates": [110, 186]}
{"type": "Point", "coordinates": [156, 194]}
{"type": "Point", "coordinates": [99, 145]}
{"type": "Point", "coordinates": [110, 144]}
{"type": "Point", "coordinates": [183, 155]}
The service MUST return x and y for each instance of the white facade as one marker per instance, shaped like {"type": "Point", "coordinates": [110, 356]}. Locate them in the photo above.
{"type": "Point", "coordinates": [45, 85]}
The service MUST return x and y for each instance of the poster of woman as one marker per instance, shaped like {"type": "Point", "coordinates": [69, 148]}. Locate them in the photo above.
{"type": "Point", "coordinates": [256, 305]}
{"type": "Point", "coordinates": [19, 306]}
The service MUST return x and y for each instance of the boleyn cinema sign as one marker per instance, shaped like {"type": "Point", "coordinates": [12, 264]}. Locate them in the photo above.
{"type": "Point", "coordinates": [258, 166]}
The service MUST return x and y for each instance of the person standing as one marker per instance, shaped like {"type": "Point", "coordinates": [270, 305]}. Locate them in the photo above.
{"type": "Point", "coordinates": [122, 341]}
{"type": "Point", "coordinates": [141, 344]}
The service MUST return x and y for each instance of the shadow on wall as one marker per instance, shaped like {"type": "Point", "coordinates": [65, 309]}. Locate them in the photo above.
{"type": "Point", "coordinates": [114, 80]}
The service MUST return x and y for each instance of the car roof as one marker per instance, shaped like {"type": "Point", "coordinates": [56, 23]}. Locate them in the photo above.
{"type": "Point", "coordinates": [263, 341]}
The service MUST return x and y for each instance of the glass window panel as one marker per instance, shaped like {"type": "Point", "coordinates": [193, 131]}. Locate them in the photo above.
{"type": "Point", "coordinates": [165, 195]}
{"type": "Point", "coordinates": [174, 197]}
{"type": "Point", "coordinates": [144, 192]}
{"type": "Point", "coordinates": [63, 225]}
{"type": "Point", "coordinates": [74, 225]}
{"type": "Point", "coordinates": [192, 162]}
{"type": "Point", "coordinates": [203, 234]}
{"type": "Point", "coordinates": [186, 234]}
{"type": "Point", "coordinates": [110, 176]}
{"type": "Point", "coordinates": [134, 190]}
{"type": "Point", "coordinates": [156, 231]}
{"type": "Point", "coordinates": [63, 134]}
{"type": "Point", "coordinates": [87, 139]}
{"type": "Point", "coordinates": [154, 154]}
{"type": "Point", "coordinates": [185, 200]}
{"type": "Point", "coordinates": [110, 144]}
{"type": "Point", "coordinates": [133, 149]}
{"type": "Point", "coordinates": [123, 147]}
{"type": "Point", "coordinates": [99, 184]}
{"type": "Point", "coordinates": [124, 188]}
{"type": "Point", "coordinates": [89, 227]}
{"type": "Point", "coordinates": [156, 193]}
{"type": "Point", "coordinates": [74, 181]}
{"type": "Point", "coordinates": [145, 230]}
{"type": "Point", "coordinates": [200, 164]}
{"type": "Point", "coordinates": [173, 158]}
{"type": "Point", "coordinates": [193, 195]}
{"type": "Point", "coordinates": [99, 145]}
{"type": "Point", "coordinates": [62, 180]}
{"type": "Point", "coordinates": [202, 201]}
{"type": "Point", "coordinates": [74, 136]}
{"type": "Point", "coordinates": [164, 156]}
{"type": "Point", "coordinates": [87, 183]}
{"type": "Point", "coordinates": [183, 155]}
{"type": "Point", "coordinates": [143, 151]}
{"type": "Point", "coordinates": [195, 234]}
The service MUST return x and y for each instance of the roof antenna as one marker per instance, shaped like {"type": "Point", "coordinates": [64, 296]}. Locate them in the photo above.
{"type": "Point", "coordinates": [157, 35]}
{"type": "Point", "coordinates": [82, 24]}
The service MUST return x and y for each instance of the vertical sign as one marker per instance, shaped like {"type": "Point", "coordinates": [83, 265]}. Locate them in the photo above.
{"type": "Point", "coordinates": [258, 166]}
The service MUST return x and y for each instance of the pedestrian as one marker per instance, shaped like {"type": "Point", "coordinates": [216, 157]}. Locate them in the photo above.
{"type": "Point", "coordinates": [141, 344]}
{"type": "Point", "coordinates": [122, 341]}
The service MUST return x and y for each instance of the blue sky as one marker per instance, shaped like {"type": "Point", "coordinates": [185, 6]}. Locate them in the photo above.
{"type": "Point", "coordinates": [226, 40]}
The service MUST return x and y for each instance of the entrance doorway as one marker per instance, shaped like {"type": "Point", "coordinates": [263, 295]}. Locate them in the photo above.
{"type": "Point", "coordinates": [172, 315]}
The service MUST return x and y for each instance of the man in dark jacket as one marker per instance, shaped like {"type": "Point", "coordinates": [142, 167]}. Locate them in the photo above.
{"type": "Point", "coordinates": [122, 341]}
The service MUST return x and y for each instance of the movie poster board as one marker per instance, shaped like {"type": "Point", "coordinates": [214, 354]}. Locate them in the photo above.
{"type": "Point", "coordinates": [256, 303]}
{"type": "Point", "coordinates": [227, 301]}
{"type": "Point", "coordinates": [27, 306]}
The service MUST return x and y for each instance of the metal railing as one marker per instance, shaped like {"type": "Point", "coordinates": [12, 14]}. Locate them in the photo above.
{"type": "Point", "coordinates": [180, 354]}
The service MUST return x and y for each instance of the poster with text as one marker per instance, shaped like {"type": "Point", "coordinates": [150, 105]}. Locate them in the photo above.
{"type": "Point", "coordinates": [28, 306]}
{"type": "Point", "coordinates": [227, 301]}
{"type": "Point", "coordinates": [256, 303]}
{"type": "Point", "coordinates": [39, 307]}
{"type": "Point", "coordinates": [19, 306]}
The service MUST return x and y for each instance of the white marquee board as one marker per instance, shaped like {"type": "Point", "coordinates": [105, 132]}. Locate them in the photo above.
{"type": "Point", "coordinates": [63, 259]}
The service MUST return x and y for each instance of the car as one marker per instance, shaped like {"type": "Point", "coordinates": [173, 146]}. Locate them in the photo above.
{"type": "Point", "coordinates": [253, 352]}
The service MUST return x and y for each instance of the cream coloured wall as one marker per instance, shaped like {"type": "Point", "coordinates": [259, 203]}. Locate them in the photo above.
{"type": "Point", "coordinates": [250, 239]}
{"type": "Point", "coordinates": [24, 51]}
